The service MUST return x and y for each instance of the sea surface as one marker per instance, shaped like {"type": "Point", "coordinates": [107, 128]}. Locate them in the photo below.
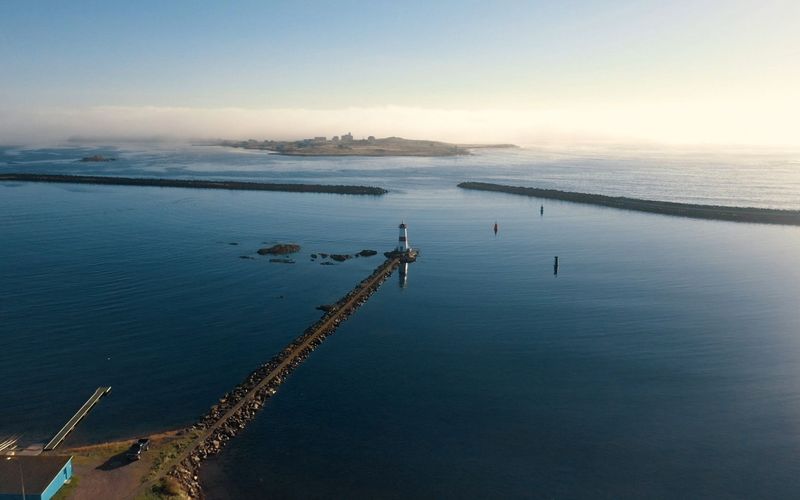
{"type": "Point", "coordinates": [661, 361]}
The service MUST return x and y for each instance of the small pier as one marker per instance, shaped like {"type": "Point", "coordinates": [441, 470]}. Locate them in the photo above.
{"type": "Point", "coordinates": [73, 422]}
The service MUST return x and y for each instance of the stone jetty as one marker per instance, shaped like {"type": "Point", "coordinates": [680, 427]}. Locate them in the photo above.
{"type": "Point", "coordinates": [237, 408]}
{"type": "Point", "coordinates": [714, 212]}
{"type": "Point", "coordinates": [192, 184]}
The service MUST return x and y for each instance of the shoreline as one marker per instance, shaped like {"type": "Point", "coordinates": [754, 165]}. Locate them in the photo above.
{"type": "Point", "coordinates": [193, 184]}
{"type": "Point", "coordinates": [709, 212]}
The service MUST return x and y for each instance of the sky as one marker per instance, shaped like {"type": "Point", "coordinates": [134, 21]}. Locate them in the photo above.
{"type": "Point", "coordinates": [702, 71]}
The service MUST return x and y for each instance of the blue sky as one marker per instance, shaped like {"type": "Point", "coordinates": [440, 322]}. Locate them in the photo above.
{"type": "Point", "coordinates": [464, 56]}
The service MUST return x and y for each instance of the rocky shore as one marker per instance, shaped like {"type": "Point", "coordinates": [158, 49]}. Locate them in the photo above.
{"type": "Point", "coordinates": [194, 184]}
{"type": "Point", "coordinates": [734, 214]}
{"type": "Point", "coordinates": [238, 407]}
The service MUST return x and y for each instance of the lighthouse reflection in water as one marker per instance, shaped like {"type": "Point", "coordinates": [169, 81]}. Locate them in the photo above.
{"type": "Point", "coordinates": [403, 274]}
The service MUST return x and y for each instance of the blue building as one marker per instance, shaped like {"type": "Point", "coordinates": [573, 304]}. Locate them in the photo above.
{"type": "Point", "coordinates": [38, 477]}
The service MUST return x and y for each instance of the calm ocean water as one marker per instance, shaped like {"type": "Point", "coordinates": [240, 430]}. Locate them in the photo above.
{"type": "Point", "coordinates": [661, 361]}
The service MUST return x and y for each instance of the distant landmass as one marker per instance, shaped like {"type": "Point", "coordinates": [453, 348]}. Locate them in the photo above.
{"type": "Point", "coordinates": [346, 145]}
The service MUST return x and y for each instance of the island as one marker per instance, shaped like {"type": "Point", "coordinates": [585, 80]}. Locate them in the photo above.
{"type": "Point", "coordinates": [193, 184]}
{"type": "Point", "coordinates": [715, 212]}
{"type": "Point", "coordinates": [346, 145]}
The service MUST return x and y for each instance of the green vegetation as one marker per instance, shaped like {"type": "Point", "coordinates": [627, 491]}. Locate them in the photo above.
{"type": "Point", "coordinates": [168, 452]}
{"type": "Point", "coordinates": [67, 490]}
{"type": "Point", "coordinates": [105, 451]}
{"type": "Point", "coordinates": [166, 488]}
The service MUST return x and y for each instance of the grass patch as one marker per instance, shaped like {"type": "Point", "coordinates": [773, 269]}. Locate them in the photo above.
{"type": "Point", "coordinates": [66, 490]}
{"type": "Point", "coordinates": [167, 488]}
{"type": "Point", "coordinates": [105, 451]}
{"type": "Point", "coordinates": [169, 451]}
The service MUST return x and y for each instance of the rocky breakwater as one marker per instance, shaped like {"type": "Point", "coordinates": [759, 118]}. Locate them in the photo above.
{"type": "Point", "coordinates": [714, 212]}
{"type": "Point", "coordinates": [191, 183]}
{"type": "Point", "coordinates": [238, 407]}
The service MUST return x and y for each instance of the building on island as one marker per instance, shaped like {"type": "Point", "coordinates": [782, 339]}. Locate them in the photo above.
{"type": "Point", "coordinates": [348, 137]}
{"type": "Point", "coordinates": [37, 477]}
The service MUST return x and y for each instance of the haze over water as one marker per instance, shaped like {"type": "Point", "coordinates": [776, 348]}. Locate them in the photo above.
{"type": "Point", "coordinates": [732, 176]}
{"type": "Point", "coordinates": [660, 362]}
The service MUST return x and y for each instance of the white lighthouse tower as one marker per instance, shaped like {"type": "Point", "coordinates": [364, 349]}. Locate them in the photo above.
{"type": "Point", "coordinates": [402, 243]}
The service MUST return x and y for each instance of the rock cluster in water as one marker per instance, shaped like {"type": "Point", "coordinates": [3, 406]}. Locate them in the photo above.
{"type": "Point", "coordinates": [238, 407]}
{"type": "Point", "coordinates": [341, 257]}
{"type": "Point", "coordinates": [96, 158]}
{"type": "Point", "coordinates": [279, 249]}
{"type": "Point", "coordinates": [290, 248]}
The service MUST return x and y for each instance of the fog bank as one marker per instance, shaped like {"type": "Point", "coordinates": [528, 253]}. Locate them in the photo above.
{"type": "Point", "coordinates": [681, 123]}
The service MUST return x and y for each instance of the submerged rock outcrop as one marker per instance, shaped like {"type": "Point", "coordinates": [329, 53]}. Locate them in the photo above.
{"type": "Point", "coordinates": [279, 249]}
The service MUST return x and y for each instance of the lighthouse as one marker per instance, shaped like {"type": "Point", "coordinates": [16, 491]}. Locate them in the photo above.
{"type": "Point", "coordinates": [402, 243]}
{"type": "Point", "coordinates": [403, 251]}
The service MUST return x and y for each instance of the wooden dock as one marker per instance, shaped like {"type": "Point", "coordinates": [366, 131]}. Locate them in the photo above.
{"type": "Point", "coordinates": [71, 423]}
{"type": "Point", "coordinates": [8, 443]}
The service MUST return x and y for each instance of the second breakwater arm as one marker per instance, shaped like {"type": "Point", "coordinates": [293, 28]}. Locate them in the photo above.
{"type": "Point", "coordinates": [715, 212]}
{"type": "Point", "coordinates": [193, 183]}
